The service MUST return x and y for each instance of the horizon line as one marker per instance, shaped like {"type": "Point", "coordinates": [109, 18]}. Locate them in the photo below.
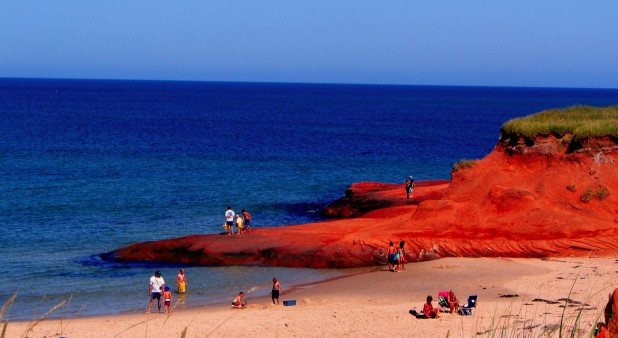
{"type": "Point", "coordinates": [300, 83]}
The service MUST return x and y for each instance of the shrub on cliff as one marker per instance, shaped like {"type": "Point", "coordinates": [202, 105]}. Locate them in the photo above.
{"type": "Point", "coordinates": [463, 164]}
{"type": "Point", "coordinates": [580, 121]}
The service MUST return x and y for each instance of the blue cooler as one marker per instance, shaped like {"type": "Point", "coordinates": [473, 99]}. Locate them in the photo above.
{"type": "Point", "coordinates": [289, 302]}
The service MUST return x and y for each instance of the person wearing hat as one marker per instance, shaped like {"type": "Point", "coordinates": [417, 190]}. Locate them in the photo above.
{"type": "Point", "coordinates": [154, 290]}
{"type": "Point", "coordinates": [167, 298]}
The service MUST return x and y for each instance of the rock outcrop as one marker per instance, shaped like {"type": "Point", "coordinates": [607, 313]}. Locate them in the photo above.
{"type": "Point", "coordinates": [540, 197]}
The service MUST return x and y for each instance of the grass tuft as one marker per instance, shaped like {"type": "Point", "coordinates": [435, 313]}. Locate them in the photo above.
{"type": "Point", "coordinates": [580, 121]}
{"type": "Point", "coordinates": [463, 164]}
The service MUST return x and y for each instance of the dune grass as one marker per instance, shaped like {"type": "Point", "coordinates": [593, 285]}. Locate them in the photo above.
{"type": "Point", "coordinates": [580, 121]}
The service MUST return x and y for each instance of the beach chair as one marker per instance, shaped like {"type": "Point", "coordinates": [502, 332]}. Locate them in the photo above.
{"type": "Point", "coordinates": [466, 309]}
{"type": "Point", "coordinates": [443, 302]}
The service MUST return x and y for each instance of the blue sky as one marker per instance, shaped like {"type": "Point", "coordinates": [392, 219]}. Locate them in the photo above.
{"type": "Point", "coordinates": [495, 43]}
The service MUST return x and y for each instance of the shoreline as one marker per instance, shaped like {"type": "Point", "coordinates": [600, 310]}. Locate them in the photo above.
{"type": "Point", "coordinates": [377, 302]}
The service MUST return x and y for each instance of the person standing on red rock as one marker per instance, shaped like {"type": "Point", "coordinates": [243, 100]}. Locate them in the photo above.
{"type": "Point", "coordinates": [409, 187]}
{"type": "Point", "coordinates": [229, 220]}
{"type": "Point", "coordinates": [247, 216]}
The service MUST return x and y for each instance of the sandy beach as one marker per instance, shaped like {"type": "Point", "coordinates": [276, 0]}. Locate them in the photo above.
{"type": "Point", "coordinates": [513, 294]}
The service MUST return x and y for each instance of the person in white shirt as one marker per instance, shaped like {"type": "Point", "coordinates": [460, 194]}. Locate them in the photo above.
{"type": "Point", "coordinates": [154, 290]}
{"type": "Point", "coordinates": [229, 220]}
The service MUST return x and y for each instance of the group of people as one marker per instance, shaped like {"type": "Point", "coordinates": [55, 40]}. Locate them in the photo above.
{"type": "Point", "coordinates": [158, 289]}
{"type": "Point", "coordinates": [396, 257]}
{"type": "Point", "coordinates": [243, 221]}
{"type": "Point", "coordinates": [239, 301]}
{"type": "Point", "coordinates": [429, 311]}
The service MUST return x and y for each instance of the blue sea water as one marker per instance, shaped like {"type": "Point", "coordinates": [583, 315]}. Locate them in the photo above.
{"type": "Point", "coordinates": [90, 166]}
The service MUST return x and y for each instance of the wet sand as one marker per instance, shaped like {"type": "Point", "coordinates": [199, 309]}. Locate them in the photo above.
{"type": "Point", "coordinates": [516, 295]}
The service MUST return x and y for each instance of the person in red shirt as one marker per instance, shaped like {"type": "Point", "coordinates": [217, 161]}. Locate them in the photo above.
{"type": "Point", "coordinates": [429, 310]}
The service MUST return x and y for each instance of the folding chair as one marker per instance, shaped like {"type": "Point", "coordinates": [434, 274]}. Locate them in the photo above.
{"type": "Point", "coordinates": [466, 309]}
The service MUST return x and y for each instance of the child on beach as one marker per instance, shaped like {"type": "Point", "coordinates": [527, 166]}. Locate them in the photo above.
{"type": "Point", "coordinates": [276, 290]}
{"type": "Point", "coordinates": [167, 298]}
{"type": "Point", "coordinates": [239, 224]}
{"type": "Point", "coordinates": [238, 302]}
{"type": "Point", "coordinates": [429, 310]}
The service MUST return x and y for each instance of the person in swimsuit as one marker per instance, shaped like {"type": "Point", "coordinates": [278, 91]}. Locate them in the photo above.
{"type": "Point", "coordinates": [239, 224]}
{"type": "Point", "coordinates": [167, 299]}
{"type": "Point", "coordinates": [181, 280]}
{"type": "Point", "coordinates": [453, 303]}
{"type": "Point", "coordinates": [429, 310]}
{"type": "Point", "coordinates": [401, 255]}
{"type": "Point", "coordinates": [392, 251]}
{"type": "Point", "coordinates": [238, 302]}
{"type": "Point", "coordinates": [276, 290]}
{"type": "Point", "coordinates": [247, 217]}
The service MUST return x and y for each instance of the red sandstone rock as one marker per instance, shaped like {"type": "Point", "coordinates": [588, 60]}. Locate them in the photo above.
{"type": "Point", "coordinates": [527, 198]}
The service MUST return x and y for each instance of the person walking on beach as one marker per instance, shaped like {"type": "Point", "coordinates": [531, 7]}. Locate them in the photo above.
{"type": "Point", "coordinates": [239, 224]}
{"type": "Point", "coordinates": [401, 255]}
{"type": "Point", "coordinates": [229, 220]}
{"type": "Point", "coordinates": [154, 290]}
{"type": "Point", "coordinates": [392, 251]}
{"type": "Point", "coordinates": [247, 217]}
{"type": "Point", "coordinates": [181, 280]}
{"type": "Point", "coordinates": [276, 290]}
{"type": "Point", "coordinates": [167, 299]}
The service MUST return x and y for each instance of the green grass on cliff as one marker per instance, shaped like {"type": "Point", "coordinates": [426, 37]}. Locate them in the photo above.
{"type": "Point", "coordinates": [580, 121]}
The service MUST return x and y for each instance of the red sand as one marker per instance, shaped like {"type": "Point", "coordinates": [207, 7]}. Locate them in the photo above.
{"type": "Point", "coordinates": [519, 201]}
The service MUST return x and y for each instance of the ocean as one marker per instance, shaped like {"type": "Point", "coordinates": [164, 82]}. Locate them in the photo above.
{"type": "Point", "coordinates": [89, 166]}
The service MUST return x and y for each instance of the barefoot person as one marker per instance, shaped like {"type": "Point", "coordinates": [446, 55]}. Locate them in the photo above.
{"type": "Point", "coordinates": [154, 290]}
{"type": "Point", "coordinates": [276, 290]}
{"type": "Point", "coordinates": [167, 299]}
{"type": "Point", "coordinates": [401, 255]}
{"type": "Point", "coordinates": [247, 217]}
{"type": "Point", "coordinates": [392, 251]}
{"type": "Point", "coordinates": [453, 303]}
{"type": "Point", "coordinates": [181, 280]}
{"type": "Point", "coordinates": [238, 302]}
{"type": "Point", "coordinates": [229, 220]}
{"type": "Point", "coordinates": [429, 310]}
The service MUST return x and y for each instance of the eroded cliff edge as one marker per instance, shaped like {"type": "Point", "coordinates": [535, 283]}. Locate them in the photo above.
{"type": "Point", "coordinates": [530, 197]}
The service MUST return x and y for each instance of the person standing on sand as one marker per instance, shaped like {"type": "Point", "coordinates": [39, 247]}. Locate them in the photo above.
{"type": "Point", "coordinates": [229, 220]}
{"type": "Point", "coordinates": [167, 299]}
{"type": "Point", "coordinates": [181, 280]}
{"type": "Point", "coordinates": [401, 255]}
{"type": "Point", "coordinates": [247, 216]}
{"type": "Point", "coordinates": [154, 290]}
{"type": "Point", "coordinates": [276, 290]}
{"type": "Point", "coordinates": [392, 251]}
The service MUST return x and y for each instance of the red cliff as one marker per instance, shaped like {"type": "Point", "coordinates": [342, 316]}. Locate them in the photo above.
{"type": "Point", "coordinates": [527, 198]}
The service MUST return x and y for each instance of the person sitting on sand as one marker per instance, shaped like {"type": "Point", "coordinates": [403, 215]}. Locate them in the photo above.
{"type": "Point", "coordinates": [167, 299]}
{"type": "Point", "coordinates": [453, 303]}
{"type": "Point", "coordinates": [238, 302]}
{"type": "Point", "coordinates": [429, 310]}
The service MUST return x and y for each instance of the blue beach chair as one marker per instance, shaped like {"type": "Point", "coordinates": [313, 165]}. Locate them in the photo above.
{"type": "Point", "coordinates": [466, 309]}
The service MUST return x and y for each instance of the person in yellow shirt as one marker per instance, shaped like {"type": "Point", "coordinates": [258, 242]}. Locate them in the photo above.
{"type": "Point", "coordinates": [239, 224]}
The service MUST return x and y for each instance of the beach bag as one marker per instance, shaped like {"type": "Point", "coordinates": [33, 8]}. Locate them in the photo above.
{"type": "Point", "coordinates": [225, 226]}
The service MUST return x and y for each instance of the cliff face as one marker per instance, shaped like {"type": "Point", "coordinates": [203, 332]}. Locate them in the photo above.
{"type": "Point", "coordinates": [550, 196]}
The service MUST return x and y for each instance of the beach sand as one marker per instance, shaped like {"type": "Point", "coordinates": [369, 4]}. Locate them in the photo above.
{"type": "Point", "coordinates": [377, 303]}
